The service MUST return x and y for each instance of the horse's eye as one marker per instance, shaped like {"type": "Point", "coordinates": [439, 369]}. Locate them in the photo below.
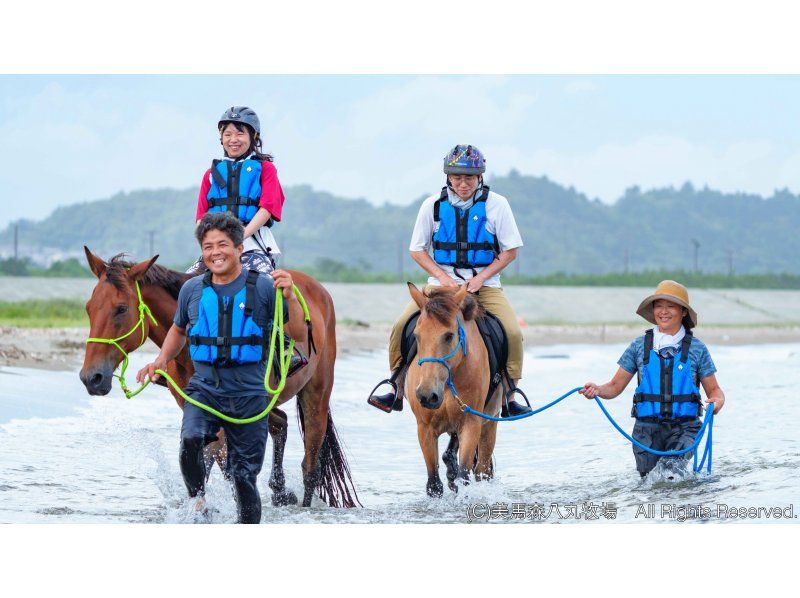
{"type": "Point", "coordinates": [121, 309]}
{"type": "Point", "coordinates": [448, 337]}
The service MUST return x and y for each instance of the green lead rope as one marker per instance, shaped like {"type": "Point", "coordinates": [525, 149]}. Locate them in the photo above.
{"type": "Point", "coordinates": [278, 337]}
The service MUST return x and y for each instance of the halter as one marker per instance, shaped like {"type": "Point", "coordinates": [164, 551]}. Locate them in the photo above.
{"type": "Point", "coordinates": [462, 342]}
{"type": "Point", "coordinates": [276, 339]}
{"type": "Point", "coordinates": [143, 311]}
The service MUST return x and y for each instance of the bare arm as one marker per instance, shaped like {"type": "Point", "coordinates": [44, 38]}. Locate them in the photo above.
{"type": "Point", "coordinates": [424, 259]}
{"type": "Point", "coordinates": [173, 343]}
{"type": "Point", "coordinates": [296, 327]}
{"type": "Point", "coordinates": [259, 220]}
{"type": "Point", "coordinates": [504, 258]}
{"type": "Point", "coordinates": [714, 394]}
{"type": "Point", "coordinates": [610, 389]}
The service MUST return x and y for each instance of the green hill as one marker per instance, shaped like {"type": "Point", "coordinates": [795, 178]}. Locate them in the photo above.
{"type": "Point", "coordinates": [563, 230]}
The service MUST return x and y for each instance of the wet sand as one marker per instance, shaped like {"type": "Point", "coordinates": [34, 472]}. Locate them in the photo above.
{"type": "Point", "coordinates": [63, 348]}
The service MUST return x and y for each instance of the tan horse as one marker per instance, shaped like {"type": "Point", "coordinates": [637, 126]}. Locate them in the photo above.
{"type": "Point", "coordinates": [114, 309]}
{"type": "Point", "coordinates": [443, 312]}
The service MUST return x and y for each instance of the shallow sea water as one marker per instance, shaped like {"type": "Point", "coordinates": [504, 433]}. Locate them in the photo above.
{"type": "Point", "coordinates": [68, 457]}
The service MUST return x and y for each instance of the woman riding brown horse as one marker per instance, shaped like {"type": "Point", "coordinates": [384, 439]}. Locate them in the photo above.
{"type": "Point", "coordinates": [113, 310]}
{"type": "Point", "coordinates": [453, 355]}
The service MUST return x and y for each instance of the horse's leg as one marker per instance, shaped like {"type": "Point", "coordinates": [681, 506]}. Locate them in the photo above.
{"type": "Point", "coordinates": [484, 469]}
{"type": "Point", "coordinates": [450, 458]}
{"type": "Point", "coordinates": [429, 443]}
{"type": "Point", "coordinates": [278, 429]}
{"type": "Point", "coordinates": [468, 438]}
{"type": "Point", "coordinates": [314, 400]}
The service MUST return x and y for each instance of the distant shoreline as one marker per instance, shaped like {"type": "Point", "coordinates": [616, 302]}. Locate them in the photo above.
{"type": "Point", "coordinates": [63, 348]}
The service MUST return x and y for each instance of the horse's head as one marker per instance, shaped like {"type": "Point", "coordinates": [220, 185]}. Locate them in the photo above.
{"type": "Point", "coordinates": [113, 311]}
{"type": "Point", "coordinates": [438, 331]}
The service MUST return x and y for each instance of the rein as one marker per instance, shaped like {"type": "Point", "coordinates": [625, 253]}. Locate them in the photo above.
{"type": "Point", "coordinates": [278, 335]}
{"type": "Point", "coordinates": [462, 342]}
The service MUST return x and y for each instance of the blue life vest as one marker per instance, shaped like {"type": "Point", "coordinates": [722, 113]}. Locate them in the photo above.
{"type": "Point", "coordinates": [462, 240]}
{"type": "Point", "coordinates": [235, 188]}
{"type": "Point", "coordinates": [225, 334]}
{"type": "Point", "coordinates": [667, 389]}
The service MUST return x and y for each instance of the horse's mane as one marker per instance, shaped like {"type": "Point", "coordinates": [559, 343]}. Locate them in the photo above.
{"type": "Point", "coordinates": [169, 280]}
{"type": "Point", "coordinates": [442, 306]}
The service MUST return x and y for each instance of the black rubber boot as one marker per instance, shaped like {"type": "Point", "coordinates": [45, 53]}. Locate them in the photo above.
{"type": "Point", "coordinates": [388, 402]}
{"type": "Point", "coordinates": [297, 362]}
{"type": "Point", "coordinates": [512, 408]}
{"type": "Point", "coordinates": [193, 465]}
{"type": "Point", "coordinates": [248, 500]}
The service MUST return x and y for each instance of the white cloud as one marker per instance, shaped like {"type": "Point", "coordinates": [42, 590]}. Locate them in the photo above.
{"type": "Point", "coordinates": [660, 160]}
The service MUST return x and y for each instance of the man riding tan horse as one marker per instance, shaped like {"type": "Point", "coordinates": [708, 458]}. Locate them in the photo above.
{"type": "Point", "coordinates": [474, 237]}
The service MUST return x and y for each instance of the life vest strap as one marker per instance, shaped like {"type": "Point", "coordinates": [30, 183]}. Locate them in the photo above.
{"type": "Point", "coordinates": [463, 246]}
{"type": "Point", "coordinates": [215, 173]}
{"type": "Point", "coordinates": [685, 344]}
{"type": "Point", "coordinates": [222, 341]}
{"type": "Point", "coordinates": [232, 201]}
{"type": "Point", "coordinates": [651, 398]}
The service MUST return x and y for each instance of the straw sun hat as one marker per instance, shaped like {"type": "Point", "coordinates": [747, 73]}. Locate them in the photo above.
{"type": "Point", "coordinates": [671, 291]}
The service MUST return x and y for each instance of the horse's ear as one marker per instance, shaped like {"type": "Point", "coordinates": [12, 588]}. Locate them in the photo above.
{"type": "Point", "coordinates": [137, 271]}
{"type": "Point", "coordinates": [469, 307]}
{"type": "Point", "coordinates": [96, 265]}
{"type": "Point", "coordinates": [417, 295]}
{"type": "Point", "coordinates": [460, 295]}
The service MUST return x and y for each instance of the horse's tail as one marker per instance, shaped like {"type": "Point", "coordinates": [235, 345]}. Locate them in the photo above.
{"type": "Point", "coordinates": [335, 485]}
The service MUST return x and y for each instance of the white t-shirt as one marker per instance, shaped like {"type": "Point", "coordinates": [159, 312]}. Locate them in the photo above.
{"type": "Point", "coordinates": [499, 221]}
{"type": "Point", "coordinates": [261, 240]}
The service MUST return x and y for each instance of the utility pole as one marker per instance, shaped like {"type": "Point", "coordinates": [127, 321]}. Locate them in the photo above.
{"type": "Point", "coordinates": [16, 247]}
{"type": "Point", "coordinates": [730, 262]}
{"type": "Point", "coordinates": [696, 244]}
{"type": "Point", "coordinates": [627, 261]}
{"type": "Point", "coordinates": [150, 234]}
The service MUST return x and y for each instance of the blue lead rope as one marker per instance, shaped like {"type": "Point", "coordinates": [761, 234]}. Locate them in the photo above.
{"type": "Point", "coordinates": [469, 409]}
{"type": "Point", "coordinates": [708, 422]}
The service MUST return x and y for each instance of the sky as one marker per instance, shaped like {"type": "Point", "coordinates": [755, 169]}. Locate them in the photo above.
{"type": "Point", "coordinates": [67, 139]}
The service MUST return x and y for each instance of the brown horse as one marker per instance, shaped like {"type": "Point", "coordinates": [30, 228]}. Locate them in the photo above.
{"type": "Point", "coordinates": [445, 312]}
{"type": "Point", "coordinates": [113, 310]}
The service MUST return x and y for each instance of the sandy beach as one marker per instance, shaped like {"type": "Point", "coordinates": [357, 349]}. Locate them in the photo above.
{"type": "Point", "coordinates": [364, 313]}
{"type": "Point", "coordinates": [63, 348]}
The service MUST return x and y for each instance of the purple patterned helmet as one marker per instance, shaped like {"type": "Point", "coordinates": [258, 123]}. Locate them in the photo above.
{"type": "Point", "coordinates": [464, 159]}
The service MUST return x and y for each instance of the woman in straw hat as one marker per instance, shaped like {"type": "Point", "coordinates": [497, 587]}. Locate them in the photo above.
{"type": "Point", "coordinates": [670, 364]}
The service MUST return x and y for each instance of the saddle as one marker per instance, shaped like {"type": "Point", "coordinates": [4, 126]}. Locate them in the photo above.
{"type": "Point", "coordinates": [494, 337]}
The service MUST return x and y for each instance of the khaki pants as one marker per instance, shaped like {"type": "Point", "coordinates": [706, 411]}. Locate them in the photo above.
{"type": "Point", "coordinates": [494, 301]}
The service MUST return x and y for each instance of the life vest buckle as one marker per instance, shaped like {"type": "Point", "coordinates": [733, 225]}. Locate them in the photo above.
{"type": "Point", "coordinates": [223, 341]}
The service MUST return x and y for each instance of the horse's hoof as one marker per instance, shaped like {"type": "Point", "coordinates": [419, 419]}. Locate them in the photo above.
{"type": "Point", "coordinates": [284, 499]}
{"type": "Point", "coordinates": [452, 485]}
{"type": "Point", "coordinates": [435, 490]}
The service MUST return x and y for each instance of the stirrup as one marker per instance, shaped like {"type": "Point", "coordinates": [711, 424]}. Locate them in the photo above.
{"type": "Point", "coordinates": [508, 398]}
{"type": "Point", "coordinates": [295, 365]}
{"type": "Point", "coordinates": [397, 405]}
